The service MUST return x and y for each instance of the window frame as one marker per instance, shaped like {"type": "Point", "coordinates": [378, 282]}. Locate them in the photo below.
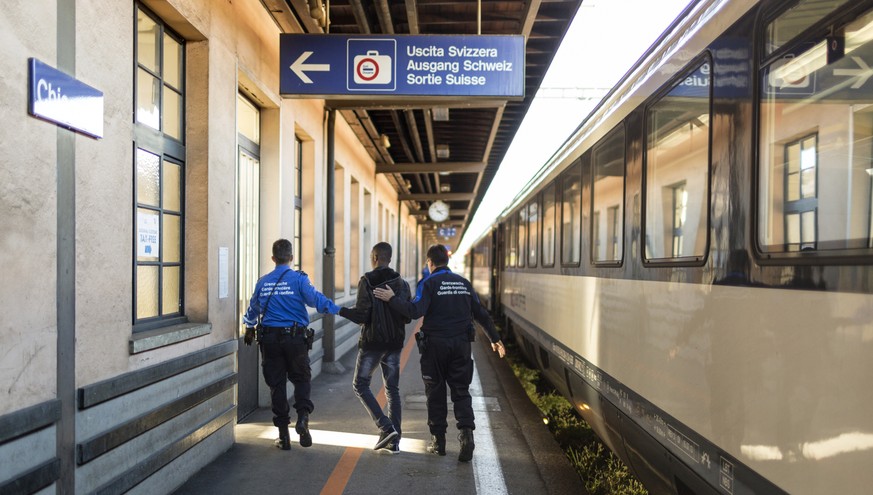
{"type": "Point", "coordinates": [521, 235]}
{"type": "Point", "coordinates": [297, 241]}
{"type": "Point", "coordinates": [677, 232]}
{"type": "Point", "coordinates": [253, 150]}
{"type": "Point", "coordinates": [801, 205]}
{"type": "Point", "coordinates": [542, 237]}
{"type": "Point", "coordinates": [619, 261]}
{"type": "Point", "coordinates": [813, 30]}
{"type": "Point", "coordinates": [533, 247]}
{"type": "Point", "coordinates": [168, 149]}
{"type": "Point", "coordinates": [616, 226]}
{"type": "Point", "coordinates": [565, 174]}
{"type": "Point", "coordinates": [513, 241]}
{"type": "Point", "coordinates": [689, 261]}
{"type": "Point", "coordinates": [182, 90]}
{"type": "Point", "coordinates": [813, 33]}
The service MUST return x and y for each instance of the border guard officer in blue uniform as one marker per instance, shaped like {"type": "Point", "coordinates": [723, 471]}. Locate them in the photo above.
{"type": "Point", "coordinates": [449, 306]}
{"type": "Point", "coordinates": [279, 305]}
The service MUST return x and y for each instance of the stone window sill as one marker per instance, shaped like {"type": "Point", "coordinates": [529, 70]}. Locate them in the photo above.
{"type": "Point", "coordinates": [160, 337]}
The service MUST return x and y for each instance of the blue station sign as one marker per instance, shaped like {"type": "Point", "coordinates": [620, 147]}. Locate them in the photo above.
{"type": "Point", "coordinates": [354, 66]}
{"type": "Point", "coordinates": [64, 100]}
{"type": "Point", "coordinates": [448, 231]}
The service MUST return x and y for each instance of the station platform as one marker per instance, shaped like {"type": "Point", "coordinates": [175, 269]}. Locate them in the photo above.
{"type": "Point", "coordinates": [515, 452]}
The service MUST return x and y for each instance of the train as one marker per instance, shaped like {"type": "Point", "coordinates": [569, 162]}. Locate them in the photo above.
{"type": "Point", "coordinates": [693, 267]}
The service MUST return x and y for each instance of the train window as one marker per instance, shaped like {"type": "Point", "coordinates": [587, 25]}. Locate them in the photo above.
{"type": "Point", "coordinates": [513, 241]}
{"type": "Point", "coordinates": [504, 243]}
{"type": "Point", "coordinates": [677, 170]}
{"type": "Point", "coordinates": [795, 20]}
{"type": "Point", "coordinates": [595, 234]}
{"type": "Point", "coordinates": [522, 238]}
{"type": "Point", "coordinates": [549, 225]}
{"type": "Point", "coordinates": [816, 143]}
{"type": "Point", "coordinates": [571, 214]}
{"type": "Point", "coordinates": [608, 198]}
{"type": "Point", "coordinates": [532, 218]}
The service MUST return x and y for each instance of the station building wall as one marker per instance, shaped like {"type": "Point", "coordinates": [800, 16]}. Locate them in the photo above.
{"type": "Point", "coordinates": [95, 401]}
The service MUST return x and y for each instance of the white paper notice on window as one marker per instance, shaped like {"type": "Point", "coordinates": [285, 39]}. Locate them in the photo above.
{"type": "Point", "coordinates": [148, 235]}
{"type": "Point", "coordinates": [222, 272]}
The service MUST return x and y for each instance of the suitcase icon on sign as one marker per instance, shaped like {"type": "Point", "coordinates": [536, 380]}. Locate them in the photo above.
{"type": "Point", "coordinates": [372, 68]}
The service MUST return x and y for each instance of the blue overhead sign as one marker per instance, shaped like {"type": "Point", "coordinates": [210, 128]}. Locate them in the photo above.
{"type": "Point", "coordinates": [64, 100]}
{"type": "Point", "coordinates": [352, 66]}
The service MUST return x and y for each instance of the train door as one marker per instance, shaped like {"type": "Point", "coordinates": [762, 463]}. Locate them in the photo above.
{"type": "Point", "coordinates": [248, 248]}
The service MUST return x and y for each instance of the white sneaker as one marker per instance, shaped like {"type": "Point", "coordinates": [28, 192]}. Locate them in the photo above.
{"type": "Point", "coordinates": [393, 448]}
{"type": "Point", "coordinates": [385, 438]}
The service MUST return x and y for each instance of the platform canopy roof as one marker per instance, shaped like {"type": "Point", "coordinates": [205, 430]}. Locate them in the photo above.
{"type": "Point", "coordinates": [438, 148]}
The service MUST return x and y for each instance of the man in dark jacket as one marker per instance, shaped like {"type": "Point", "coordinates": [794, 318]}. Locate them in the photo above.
{"type": "Point", "coordinates": [383, 332]}
{"type": "Point", "coordinates": [449, 305]}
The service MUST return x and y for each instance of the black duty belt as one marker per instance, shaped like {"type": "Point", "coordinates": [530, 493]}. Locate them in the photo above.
{"type": "Point", "coordinates": [296, 330]}
{"type": "Point", "coordinates": [444, 334]}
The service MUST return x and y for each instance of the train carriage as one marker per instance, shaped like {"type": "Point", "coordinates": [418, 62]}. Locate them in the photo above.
{"type": "Point", "coordinates": [693, 268]}
{"type": "Point", "coordinates": [479, 265]}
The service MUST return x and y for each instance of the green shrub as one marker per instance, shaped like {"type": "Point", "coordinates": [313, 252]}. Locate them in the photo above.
{"type": "Point", "coordinates": [602, 471]}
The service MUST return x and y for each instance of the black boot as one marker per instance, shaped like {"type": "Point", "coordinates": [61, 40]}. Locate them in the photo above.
{"type": "Point", "coordinates": [467, 445]}
{"type": "Point", "coordinates": [302, 429]}
{"type": "Point", "coordinates": [284, 440]}
{"type": "Point", "coordinates": [437, 444]}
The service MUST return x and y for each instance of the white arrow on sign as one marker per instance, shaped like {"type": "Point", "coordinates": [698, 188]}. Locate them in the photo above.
{"type": "Point", "coordinates": [298, 67]}
{"type": "Point", "coordinates": [863, 73]}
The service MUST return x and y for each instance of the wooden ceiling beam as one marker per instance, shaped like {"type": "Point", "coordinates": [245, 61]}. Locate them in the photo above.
{"type": "Point", "coordinates": [360, 16]}
{"type": "Point", "coordinates": [412, 16]}
{"type": "Point", "coordinates": [434, 197]}
{"type": "Point", "coordinates": [301, 8]}
{"type": "Point", "coordinates": [454, 212]}
{"type": "Point", "coordinates": [283, 16]}
{"type": "Point", "coordinates": [429, 168]}
{"type": "Point", "coordinates": [413, 133]}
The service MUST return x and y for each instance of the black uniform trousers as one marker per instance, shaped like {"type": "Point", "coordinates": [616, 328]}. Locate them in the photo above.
{"type": "Point", "coordinates": [286, 357]}
{"type": "Point", "coordinates": [447, 362]}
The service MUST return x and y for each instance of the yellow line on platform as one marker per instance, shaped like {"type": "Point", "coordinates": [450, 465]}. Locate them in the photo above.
{"type": "Point", "coordinates": [339, 478]}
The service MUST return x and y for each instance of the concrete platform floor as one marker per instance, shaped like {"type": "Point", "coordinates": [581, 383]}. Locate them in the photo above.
{"type": "Point", "coordinates": [515, 453]}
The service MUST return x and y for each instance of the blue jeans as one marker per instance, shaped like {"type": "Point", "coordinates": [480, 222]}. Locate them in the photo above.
{"type": "Point", "coordinates": [365, 366]}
